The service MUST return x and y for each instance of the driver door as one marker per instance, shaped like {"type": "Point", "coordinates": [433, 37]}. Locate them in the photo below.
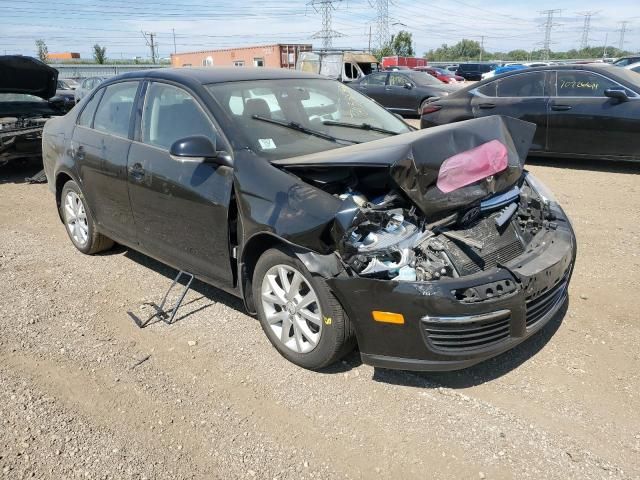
{"type": "Point", "coordinates": [180, 208]}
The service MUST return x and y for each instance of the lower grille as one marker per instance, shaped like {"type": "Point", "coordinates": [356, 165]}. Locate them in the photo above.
{"type": "Point", "coordinates": [539, 306]}
{"type": "Point", "coordinates": [456, 336]}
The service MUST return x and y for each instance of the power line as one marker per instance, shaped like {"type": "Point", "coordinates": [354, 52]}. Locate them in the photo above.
{"type": "Point", "coordinates": [623, 30]}
{"type": "Point", "coordinates": [382, 22]}
{"type": "Point", "coordinates": [327, 34]}
{"type": "Point", "coordinates": [584, 40]}
{"type": "Point", "coordinates": [548, 25]}
{"type": "Point", "coordinates": [151, 44]}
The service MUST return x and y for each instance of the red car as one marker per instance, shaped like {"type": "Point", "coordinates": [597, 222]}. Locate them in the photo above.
{"type": "Point", "coordinates": [441, 74]}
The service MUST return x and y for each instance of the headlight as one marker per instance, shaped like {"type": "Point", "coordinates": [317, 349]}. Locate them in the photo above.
{"type": "Point", "coordinates": [545, 193]}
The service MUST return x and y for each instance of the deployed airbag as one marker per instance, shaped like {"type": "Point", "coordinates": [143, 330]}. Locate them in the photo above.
{"type": "Point", "coordinates": [472, 165]}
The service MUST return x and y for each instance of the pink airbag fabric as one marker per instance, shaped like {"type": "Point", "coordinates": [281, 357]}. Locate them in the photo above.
{"type": "Point", "coordinates": [472, 165]}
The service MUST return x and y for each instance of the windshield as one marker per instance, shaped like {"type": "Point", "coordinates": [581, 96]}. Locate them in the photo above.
{"type": "Point", "coordinates": [19, 97]}
{"type": "Point", "coordinates": [313, 104]}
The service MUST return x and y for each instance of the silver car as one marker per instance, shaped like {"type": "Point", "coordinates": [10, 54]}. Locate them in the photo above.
{"type": "Point", "coordinates": [87, 85]}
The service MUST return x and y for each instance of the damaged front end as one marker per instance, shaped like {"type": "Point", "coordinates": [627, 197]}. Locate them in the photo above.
{"type": "Point", "coordinates": [451, 233]}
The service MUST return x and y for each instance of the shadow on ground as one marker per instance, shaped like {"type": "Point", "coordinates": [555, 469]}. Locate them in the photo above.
{"type": "Point", "coordinates": [18, 170]}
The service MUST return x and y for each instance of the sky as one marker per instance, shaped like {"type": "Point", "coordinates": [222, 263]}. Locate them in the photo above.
{"type": "Point", "coordinates": [76, 25]}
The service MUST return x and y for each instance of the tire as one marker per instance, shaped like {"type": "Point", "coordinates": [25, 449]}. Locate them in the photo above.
{"type": "Point", "coordinates": [79, 223]}
{"type": "Point", "coordinates": [290, 328]}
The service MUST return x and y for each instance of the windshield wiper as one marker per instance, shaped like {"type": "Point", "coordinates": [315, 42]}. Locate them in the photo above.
{"type": "Point", "coordinates": [299, 128]}
{"type": "Point", "coordinates": [360, 126]}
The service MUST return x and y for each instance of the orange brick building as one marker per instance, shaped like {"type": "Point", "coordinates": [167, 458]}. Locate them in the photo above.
{"type": "Point", "coordinates": [279, 55]}
{"type": "Point", "coordinates": [63, 56]}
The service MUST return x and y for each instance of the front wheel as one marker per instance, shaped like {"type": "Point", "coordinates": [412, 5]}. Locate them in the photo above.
{"type": "Point", "coordinates": [79, 222]}
{"type": "Point", "coordinates": [298, 312]}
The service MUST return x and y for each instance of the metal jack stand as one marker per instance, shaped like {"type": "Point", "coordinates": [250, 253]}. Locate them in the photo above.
{"type": "Point", "coordinates": [161, 313]}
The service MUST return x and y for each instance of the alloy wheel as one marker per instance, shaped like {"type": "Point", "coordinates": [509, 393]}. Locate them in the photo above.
{"type": "Point", "coordinates": [75, 217]}
{"type": "Point", "coordinates": [291, 308]}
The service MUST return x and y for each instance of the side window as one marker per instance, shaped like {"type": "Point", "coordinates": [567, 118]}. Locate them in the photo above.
{"type": "Point", "coordinates": [114, 112]}
{"type": "Point", "coordinates": [488, 89]}
{"type": "Point", "coordinates": [170, 114]}
{"type": "Point", "coordinates": [572, 83]}
{"type": "Point", "coordinates": [521, 85]}
{"type": "Point", "coordinates": [86, 117]}
{"type": "Point", "coordinates": [398, 80]}
{"type": "Point", "coordinates": [375, 79]}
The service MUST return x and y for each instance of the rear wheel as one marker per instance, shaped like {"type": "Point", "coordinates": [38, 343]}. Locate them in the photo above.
{"type": "Point", "coordinates": [298, 312]}
{"type": "Point", "coordinates": [79, 222]}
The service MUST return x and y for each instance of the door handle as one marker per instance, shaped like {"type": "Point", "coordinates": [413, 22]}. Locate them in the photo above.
{"type": "Point", "coordinates": [487, 105]}
{"type": "Point", "coordinates": [561, 108]}
{"type": "Point", "coordinates": [136, 171]}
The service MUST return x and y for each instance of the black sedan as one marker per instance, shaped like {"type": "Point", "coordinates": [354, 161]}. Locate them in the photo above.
{"type": "Point", "coordinates": [404, 92]}
{"type": "Point", "coordinates": [334, 222]}
{"type": "Point", "coordinates": [582, 111]}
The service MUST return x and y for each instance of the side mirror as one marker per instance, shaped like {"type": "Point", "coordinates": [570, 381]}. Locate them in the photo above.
{"type": "Point", "coordinates": [408, 86]}
{"type": "Point", "coordinates": [617, 93]}
{"type": "Point", "coordinates": [198, 149]}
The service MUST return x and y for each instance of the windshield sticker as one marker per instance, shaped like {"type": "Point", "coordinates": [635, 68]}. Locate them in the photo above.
{"type": "Point", "coordinates": [267, 143]}
{"type": "Point", "coordinates": [574, 84]}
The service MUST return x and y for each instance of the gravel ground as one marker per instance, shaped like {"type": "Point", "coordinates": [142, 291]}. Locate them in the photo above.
{"type": "Point", "coordinates": [84, 393]}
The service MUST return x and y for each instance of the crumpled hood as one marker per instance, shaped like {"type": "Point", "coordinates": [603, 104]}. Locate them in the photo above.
{"type": "Point", "coordinates": [20, 74]}
{"type": "Point", "coordinates": [415, 159]}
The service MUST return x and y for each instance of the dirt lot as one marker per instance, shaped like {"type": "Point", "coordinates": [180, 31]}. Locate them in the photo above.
{"type": "Point", "coordinates": [84, 393]}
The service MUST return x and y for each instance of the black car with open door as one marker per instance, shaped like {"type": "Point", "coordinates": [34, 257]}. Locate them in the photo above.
{"type": "Point", "coordinates": [581, 111]}
{"type": "Point", "coordinates": [325, 213]}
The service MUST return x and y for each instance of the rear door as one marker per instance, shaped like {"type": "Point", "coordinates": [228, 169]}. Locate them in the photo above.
{"type": "Point", "coordinates": [180, 208]}
{"type": "Point", "coordinates": [373, 86]}
{"type": "Point", "coordinates": [583, 121]}
{"type": "Point", "coordinates": [401, 93]}
{"type": "Point", "coordinates": [100, 146]}
{"type": "Point", "coordinates": [524, 96]}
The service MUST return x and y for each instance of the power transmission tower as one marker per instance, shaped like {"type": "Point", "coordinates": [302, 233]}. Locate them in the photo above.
{"type": "Point", "coordinates": [150, 39]}
{"type": "Point", "coordinates": [623, 30]}
{"type": "Point", "coordinates": [327, 34]}
{"type": "Point", "coordinates": [548, 25]}
{"type": "Point", "coordinates": [584, 40]}
{"type": "Point", "coordinates": [382, 21]}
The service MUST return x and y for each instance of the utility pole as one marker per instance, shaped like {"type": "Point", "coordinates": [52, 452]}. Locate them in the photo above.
{"type": "Point", "coordinates": [382, 21]}
{"type": "Point", "coordinates": [584, 39]}
{"type": "Point", "coordinates": [481, 46]}
{"type": "Point", "coordinates": [604, 50]}
{"type": "Point", "coordinates": [327, 34]}
{"type": "Point", "coordinates": [548, 25]}
{"type": "Point", "coordinates": [174, 40]}
{"type": "Point", "coordinates": [623, 30]}
{"type": "Point", "coordinates": [151, 44]}
{"type": "Point", "coordinates": [369, 38]}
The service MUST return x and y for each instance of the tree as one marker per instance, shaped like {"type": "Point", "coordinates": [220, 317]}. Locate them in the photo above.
{"type": "Point", "coordinates": [99, 54]}
{"type": "Point", "coordinates": [43, 51]}
{"type": "Point", "coordinates": [400, 45]}
{"type": "Point", "coordinates": [463, 50]}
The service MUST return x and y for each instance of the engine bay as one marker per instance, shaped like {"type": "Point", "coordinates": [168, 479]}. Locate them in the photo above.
{"type": "Point", "coordinates": [389, 238]}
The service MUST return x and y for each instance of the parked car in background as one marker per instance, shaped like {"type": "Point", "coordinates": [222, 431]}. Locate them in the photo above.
{"type": "Point", "coordinates": [87, 85]}
{"type": "Point", "coordinates": [634, 67]}
{"type": "Point", "coordinates": [581, 110]}
{"type": "Point", "coordinates": [71, 83]}
{"type": "Point", "coordinates": [452, 68]}
{"type": "Point", "coordinates": [65, 92]}
{"type": "Point", "coordinates": [332, 221]}
{"type": "Point", "coordinates": [624, 61]}
{"type": "Point", "coordinates": [507, 68]}
{"type": "Point", "coordinates": [441, 74]}
{"type": "Point", "coordinates": [404, 91]}
{"type": "Point", "coordinates": [474, 71]}
{"type": "Point", "coordinates": [27, 100]}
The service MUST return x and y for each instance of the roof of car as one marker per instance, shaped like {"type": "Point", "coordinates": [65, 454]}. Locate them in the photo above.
{"type": "Point", "coordinates": [206, 75]}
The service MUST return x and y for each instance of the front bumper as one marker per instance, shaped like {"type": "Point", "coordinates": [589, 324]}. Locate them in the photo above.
{"type": "Point", "coordinates": [444, 330]}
